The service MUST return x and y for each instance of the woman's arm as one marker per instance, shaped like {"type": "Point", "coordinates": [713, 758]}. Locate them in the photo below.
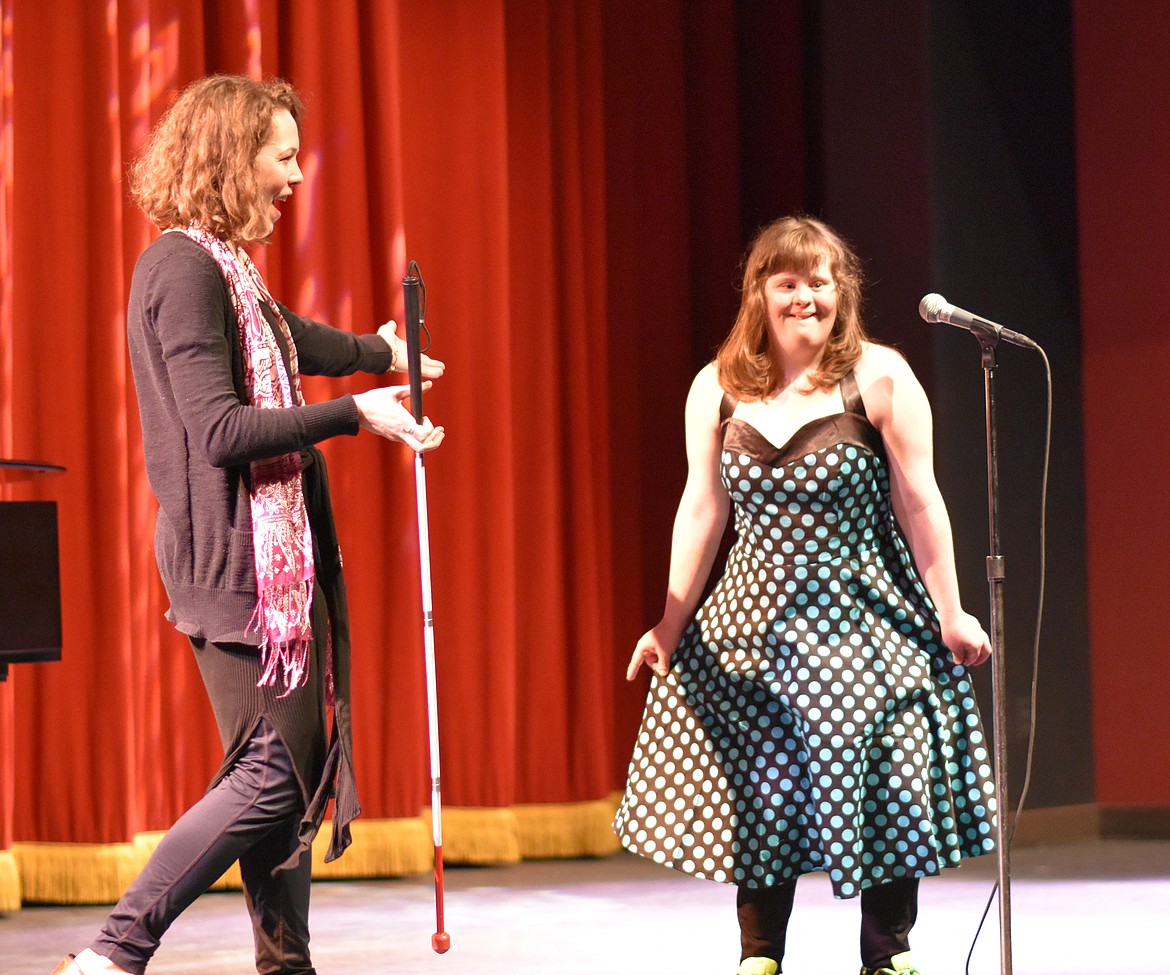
{"type": "Point", "coordinates": [326, 351]}
{"type": "Point", "coordinates": [188, 370]}
{"type": "Point", "coordinates": [698, 526]}
{"type": "Point", "coordinates": [183, 336]}
{"type": "Point", "coordinates": [898, 407]}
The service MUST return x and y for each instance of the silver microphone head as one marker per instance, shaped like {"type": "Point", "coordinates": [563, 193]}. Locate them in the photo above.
{"type": "Point", "coordinates": [932, 307]}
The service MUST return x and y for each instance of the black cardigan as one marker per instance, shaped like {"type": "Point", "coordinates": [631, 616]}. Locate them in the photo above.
{"type": "Point", "coordinates": [199, 435]}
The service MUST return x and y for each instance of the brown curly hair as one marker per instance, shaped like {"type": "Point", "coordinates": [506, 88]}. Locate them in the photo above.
{"type": "Point", "coordinates": [198, 164]}
{"type": "Point", "coordinates": [746, 365]}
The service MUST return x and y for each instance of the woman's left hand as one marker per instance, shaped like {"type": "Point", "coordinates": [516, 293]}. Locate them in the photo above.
{"type": "Point", "coordinates": [381, 411]}
{"type": "Point", "coordinates": [965, 639]}
{"type": "Point", "coordinates": [430, 368]}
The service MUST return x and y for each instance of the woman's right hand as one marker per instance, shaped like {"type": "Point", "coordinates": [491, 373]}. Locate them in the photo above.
{"type": "Point", "coordinates": [381, 411]}
{"type": "Point", "coordinates": [654, 651]}
{"type": "Point", "coordinates": [430, 368]}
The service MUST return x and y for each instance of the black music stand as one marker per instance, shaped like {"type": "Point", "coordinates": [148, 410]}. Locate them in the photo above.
{"type": "Point", "coordinates": [30, 578]}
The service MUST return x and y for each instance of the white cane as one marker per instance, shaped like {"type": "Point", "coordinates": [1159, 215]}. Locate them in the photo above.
{"type": "Point", "coordinates": [412, 287]}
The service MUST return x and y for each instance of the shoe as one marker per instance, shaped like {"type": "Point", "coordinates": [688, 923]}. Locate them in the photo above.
{"type": "Point", "coordinates": [67, 967]}
{"type": "Point", "coordinates": [757, 966]}
{"type": "Point", "coordinates": [899, 965]}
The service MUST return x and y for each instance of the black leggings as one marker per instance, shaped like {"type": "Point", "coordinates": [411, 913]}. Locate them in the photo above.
{"type": "Point", "coordinates": [888, 912]}
{"type": "Point", "coordinates": [251, 815]}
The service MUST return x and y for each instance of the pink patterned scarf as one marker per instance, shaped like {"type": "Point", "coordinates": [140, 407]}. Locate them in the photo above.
{"type": "Point", "coordinates": [281, 538]}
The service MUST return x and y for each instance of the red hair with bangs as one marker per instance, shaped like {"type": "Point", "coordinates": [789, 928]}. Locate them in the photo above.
{"type": "Point", "coordinates": [745, 361]}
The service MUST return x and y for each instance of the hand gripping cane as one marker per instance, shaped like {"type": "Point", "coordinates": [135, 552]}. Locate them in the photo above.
{"type": "Point", "coordinates": [412, 287]}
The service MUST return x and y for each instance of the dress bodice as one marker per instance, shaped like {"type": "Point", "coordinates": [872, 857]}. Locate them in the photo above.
{"type": "Point", "coordinates": [823, 494]}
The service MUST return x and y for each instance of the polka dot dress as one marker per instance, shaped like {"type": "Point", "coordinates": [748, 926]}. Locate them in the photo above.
{"type": "Point", "coordinates": [811, 719]}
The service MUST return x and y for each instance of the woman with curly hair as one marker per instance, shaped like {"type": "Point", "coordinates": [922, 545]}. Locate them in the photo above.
{"type": "Point", "coordinates": [244, 538]}
{"type": "Point", "coordinates": [814, 713]}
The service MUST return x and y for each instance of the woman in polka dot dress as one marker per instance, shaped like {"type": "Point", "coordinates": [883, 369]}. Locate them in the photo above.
{"type": "Point", "coordinates": [815, 713]}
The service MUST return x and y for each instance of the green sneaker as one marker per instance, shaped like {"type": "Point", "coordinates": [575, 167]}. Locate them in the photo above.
{"type": "Point", "coordinates": [899, 965]}
{"type": "Point", "coordinates": [757, 966]}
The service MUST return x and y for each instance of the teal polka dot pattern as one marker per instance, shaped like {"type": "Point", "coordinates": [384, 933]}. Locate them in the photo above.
{"type": "Point", "coordinates": [811, 719]}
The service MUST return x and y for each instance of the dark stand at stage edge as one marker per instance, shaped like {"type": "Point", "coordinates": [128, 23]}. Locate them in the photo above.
{"type": "Point", "coordinates": [30, 578]}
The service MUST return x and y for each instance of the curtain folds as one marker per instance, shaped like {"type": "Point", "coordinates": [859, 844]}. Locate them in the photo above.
{"type": "Point", "coordinates": [500, 144]}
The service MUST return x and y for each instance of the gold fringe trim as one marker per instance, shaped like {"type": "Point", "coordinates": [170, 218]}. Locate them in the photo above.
{"type": "Point", "coordinates": [494, 835]}
{"type": "Point", "coordinates": [97, 873]}
{"type": "Point", "coordinates": [75, 873]}
{"type": "Point", "coordinates": [9, 882]}
{"type": "Point", "coordinates": [380, 848]}
{"type": "Point", "coordinates": [578, 829]}
{"type": "Point", "coordinates": [478, 836]}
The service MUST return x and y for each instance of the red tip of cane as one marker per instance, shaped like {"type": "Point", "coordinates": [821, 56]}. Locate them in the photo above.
{"type": "Point", "coordinates": [440, 941]}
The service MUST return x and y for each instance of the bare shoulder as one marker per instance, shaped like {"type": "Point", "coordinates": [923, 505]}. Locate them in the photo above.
{"type": "Point", "coordinates": [879, 362]}
{"type": "Point", "coordinates": [884, 375]}
{"type": "Point", "coordinates": [707, 379]}
{"type": "Point", "coordinates": [705, 386]}
{"type": "Point", "coordinates": [705, 396]}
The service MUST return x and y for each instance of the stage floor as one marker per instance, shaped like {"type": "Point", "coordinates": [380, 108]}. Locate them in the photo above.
{"type": "Point", "coordinates": [1077, 909]}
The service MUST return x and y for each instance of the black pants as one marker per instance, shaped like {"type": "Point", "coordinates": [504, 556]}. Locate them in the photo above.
{"type": "Point", "coordinates": [251, 815]}
{"type": "Point", "coordinates": [888, 912]}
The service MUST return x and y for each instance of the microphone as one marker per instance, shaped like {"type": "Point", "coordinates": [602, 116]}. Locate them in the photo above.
{"type": "Point", "coordinates": [935, 308]}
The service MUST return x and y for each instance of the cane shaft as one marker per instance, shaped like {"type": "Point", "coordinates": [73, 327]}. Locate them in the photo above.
{"type": "Point", "coordinates": [411, 291]}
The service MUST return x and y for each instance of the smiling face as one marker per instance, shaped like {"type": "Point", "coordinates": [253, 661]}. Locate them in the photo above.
{"type": "Point", "coordinates": [802, 309]}
{"type": "Point", "coordinates": [276, 169]}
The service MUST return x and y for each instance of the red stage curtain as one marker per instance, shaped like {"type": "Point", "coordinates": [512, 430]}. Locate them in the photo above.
{"type": "Point", "coordinates": [1124, 216]}
{"type": "Point", "coordinates": [532, 156]}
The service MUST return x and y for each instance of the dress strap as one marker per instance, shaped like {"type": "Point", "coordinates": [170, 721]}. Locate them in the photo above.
{"type": "Point", "coordinates": [851, 395]}
{"type": "Point", "coordinates": [727, 407]}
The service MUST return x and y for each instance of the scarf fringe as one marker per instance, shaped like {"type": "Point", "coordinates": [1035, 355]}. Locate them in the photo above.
{"type": "Point", "coordinates": [283, 616]}
{"type": "Point", "coordinates": [290, 659]}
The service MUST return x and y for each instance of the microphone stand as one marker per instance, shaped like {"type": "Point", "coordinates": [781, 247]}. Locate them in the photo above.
{"type": "Point", "coordinates": [995, 583]}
